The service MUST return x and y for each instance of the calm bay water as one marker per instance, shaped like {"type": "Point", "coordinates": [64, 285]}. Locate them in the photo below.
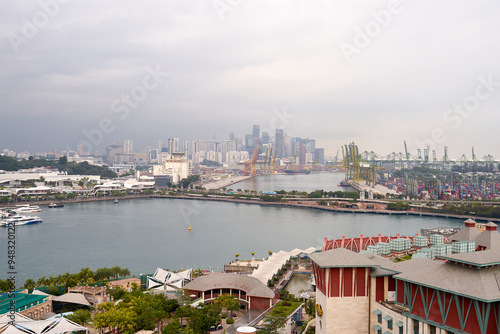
{"type": "Point", "coordinates": [143, 234]}
{"type": "Point", "coordinates": [299, 182]}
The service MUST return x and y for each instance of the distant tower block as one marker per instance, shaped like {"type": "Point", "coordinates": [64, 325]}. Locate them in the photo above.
{"type": "Point", "coordinates": [370, 194]}
{"type": "Point", "coordinates": [362, 195]}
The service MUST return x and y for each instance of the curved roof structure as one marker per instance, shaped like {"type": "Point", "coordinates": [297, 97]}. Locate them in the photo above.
{"type": "Point", "coordinates": [252, 286]}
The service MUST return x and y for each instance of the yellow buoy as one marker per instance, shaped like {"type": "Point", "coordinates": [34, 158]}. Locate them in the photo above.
{"type": "Point", "coordinates": [189, 227]}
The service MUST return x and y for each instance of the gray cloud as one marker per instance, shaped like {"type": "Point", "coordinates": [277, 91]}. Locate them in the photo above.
{"type": "Point", "coordinates": [226, 75]}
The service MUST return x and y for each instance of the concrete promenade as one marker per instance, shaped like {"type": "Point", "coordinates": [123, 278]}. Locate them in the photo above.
{"type": "Point", "coordinates": [378, 189]}
{"type": "Point", "coordinates": [316, 206]}
{"type": "Point", "coordinates": [226, 182]}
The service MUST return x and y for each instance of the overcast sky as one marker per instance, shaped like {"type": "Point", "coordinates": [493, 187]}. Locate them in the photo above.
{"type": "Point", "coordinates": [373, 72]}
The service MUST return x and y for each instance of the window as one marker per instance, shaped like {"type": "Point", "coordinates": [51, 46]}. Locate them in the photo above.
{"type": "Point", "coordinates": [378, 328]}
{"type": "Point", "coordinates": [399, 324]}
{"type": "Point", "coordinates": [389, 321]}
{"type": "Point", "coordinates": [379, 316]}
{"type": "Point", "coordinates": [432, 329]}
{"type": "Point", "coordinates": [415, 326]}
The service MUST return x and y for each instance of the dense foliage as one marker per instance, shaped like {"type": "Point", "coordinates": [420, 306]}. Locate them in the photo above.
{"type": "Point", "coordinates": [73, 168]}
{"type": "Point", "coordinates": [85, 276]}
{"type": "Point", "coordinates": [136, 311]}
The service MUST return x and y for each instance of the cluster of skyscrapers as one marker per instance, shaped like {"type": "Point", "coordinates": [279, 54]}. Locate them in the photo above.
{"type": "Point", "coordinates": [279, 145]}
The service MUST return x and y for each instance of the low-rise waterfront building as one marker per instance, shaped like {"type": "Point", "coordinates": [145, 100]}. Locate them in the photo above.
{"type": "Point", "coordinates": [250, 292]}
{"type": "Point", "coordinates": [32, 306]}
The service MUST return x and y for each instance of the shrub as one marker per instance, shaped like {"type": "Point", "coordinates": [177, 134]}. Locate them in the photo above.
{"type": "Point", "coordinates": [229, 321]}
{"type": "Point", "coordinates": [223, 315]}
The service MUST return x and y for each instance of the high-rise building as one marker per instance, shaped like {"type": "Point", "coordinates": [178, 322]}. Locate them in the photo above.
{"type": "Point", "coordinates": [280, 143]}
{"type": "Point", "coordinates": [173, 145]}
{"type": "Point", "coordinates": [256, 135]}
{"type": "Point", "coordinates": [82, 150]}
{"type": "Point", "coordinates": [153, 155]}
{"type": "Point", "coordinates": [320, 156]}
{"type": "Point", "coordinates": [249, 143]}
{"type": "Point", "coordinates": [112, 151]}
{"type": "Point", "coordinates": [128, 147]}
{"type": "Point", "coordinates": [265, 138]}
{"type": "Point", "coordinates": [187, 151]}
{"type": "Point", "coordinates": [231, 135]}
{"type": "Point", "coordinates": [256, 131]}
{"type": "Point", "coordinates": [227, 146]}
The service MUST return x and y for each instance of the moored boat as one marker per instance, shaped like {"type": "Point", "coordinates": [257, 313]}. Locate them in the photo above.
{"type": "Point", "coordinates": [56, 205]}
{"type": "Point", "coordinates": [23, 208]}
{"type": "Point", "coordinates": [20, 220]}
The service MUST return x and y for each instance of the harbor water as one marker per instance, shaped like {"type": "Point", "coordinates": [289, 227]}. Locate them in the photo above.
{"type": "Point", "coordinates": [143, 234]}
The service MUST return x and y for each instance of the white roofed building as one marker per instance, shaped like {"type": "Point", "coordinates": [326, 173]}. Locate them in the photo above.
{"type": "Point", "coordinates": [167, 281]}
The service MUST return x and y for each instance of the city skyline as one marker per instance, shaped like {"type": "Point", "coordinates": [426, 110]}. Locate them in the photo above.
{"type": "Point", "coordinates": [377, 73]}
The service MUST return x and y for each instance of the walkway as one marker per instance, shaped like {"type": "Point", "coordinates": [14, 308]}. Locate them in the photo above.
{"type": "Point", "coordinates": [247, 320]}
{"type": "Point", "coordinates": [225, 183]}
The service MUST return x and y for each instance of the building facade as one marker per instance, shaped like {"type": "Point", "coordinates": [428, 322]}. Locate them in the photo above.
{"type": "Point", "coordinates": [368, 293]}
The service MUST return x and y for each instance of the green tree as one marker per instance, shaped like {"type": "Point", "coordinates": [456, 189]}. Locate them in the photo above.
{"type": "Point", "coordinates": [182, 312]}
{"type": "Point", "coordinates": [63, 160]}
{"type": "Point", "coordinates": [81, 317]}
{"type": "Point", "coordinates": [29, 284]}
{"type": "Point", "coordinates": [273, 324]}
{"type": "Point", "coordinates": [232, 305]}
{"type": "Point", "coordinates": [172, 328]}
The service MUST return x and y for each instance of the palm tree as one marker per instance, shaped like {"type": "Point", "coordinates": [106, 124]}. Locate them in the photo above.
{"type": "Point", "coordinates": [232, 305]}
{"type": "Point", "coordinates": [197, 273]}
{"type": "Point", "coordinates": [116, 271]}
{"type": "Point", "coordinates": [86, 276]}
{"type": "Point", "coordinates": [41, 281]}
{"type": "Point", "coordinates": [29, 284]}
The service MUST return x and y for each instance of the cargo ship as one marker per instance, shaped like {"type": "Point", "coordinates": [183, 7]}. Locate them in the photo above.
{"type": "Point", "coordinates": [297, 171]}
{"type": "Point", "coordinates": [343, 183]}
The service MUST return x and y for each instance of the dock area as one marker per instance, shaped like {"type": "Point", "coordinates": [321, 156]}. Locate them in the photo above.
{"type": "Point", "coordinates": [229, 181]}
{"type": "Point", "coordinates": [377, 189]}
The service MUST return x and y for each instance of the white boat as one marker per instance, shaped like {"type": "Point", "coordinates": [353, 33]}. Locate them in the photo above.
{"type": "Point", "coordinates": [116, 201]}
{"type": "Point", "coordinates": [20, 220]}
{"type": "Point", "coordinates": [24, 208]}
{"type": "Point", "coordinates": [5, 214]}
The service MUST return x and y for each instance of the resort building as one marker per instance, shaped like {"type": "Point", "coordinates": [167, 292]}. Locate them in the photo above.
{"type": "Point", "coordinates": [250, 292]}
{"type": "Point", "coordinates": [32, 306]}
{"type": "Point", "coordinates": [126, 284]}
{"type": "Point", "coordinates": [458, 292]}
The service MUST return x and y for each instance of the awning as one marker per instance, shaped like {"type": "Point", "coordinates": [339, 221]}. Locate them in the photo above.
{"type": "Point", "coordinates": [72, 298]}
